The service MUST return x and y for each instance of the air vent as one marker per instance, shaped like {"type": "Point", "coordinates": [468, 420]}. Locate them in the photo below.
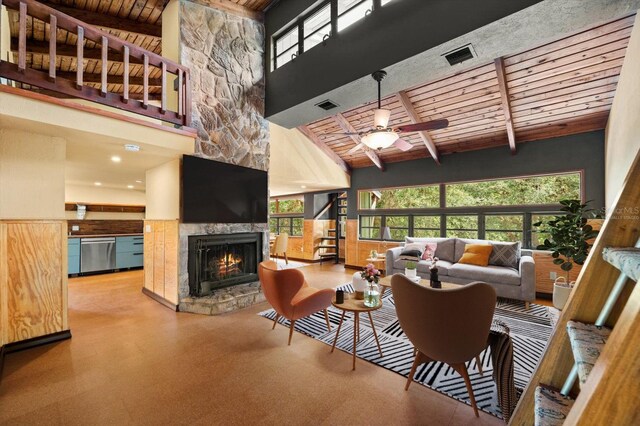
{"type": "Point", "coordinates": [327, 105]}
{"type": "Point", "coordinates": [460, 55]}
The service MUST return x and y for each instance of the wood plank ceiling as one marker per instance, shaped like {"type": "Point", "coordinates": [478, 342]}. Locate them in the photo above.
{"type": "Point", "coordinates": [560, 88]}
{"type": "Point", "coordinates": [137, 21]}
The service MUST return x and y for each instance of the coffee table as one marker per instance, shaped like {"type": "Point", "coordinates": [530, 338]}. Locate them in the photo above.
{"type": "Point", "coordinates": [385, 283]}
{"type": "Point", "coordinates": [351, 304]}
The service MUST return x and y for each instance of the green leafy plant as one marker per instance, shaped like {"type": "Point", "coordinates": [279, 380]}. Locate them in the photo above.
{"type": "Point", "coordinates": [569, 234]}
{"type": "Point", "coordinates": [410, 264]}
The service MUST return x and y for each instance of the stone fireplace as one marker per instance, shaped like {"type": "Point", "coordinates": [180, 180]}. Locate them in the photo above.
{"type": "Point", "coordinates": [224, 260]}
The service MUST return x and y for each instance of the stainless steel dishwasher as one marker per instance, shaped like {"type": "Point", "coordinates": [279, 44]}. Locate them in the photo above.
{"type": "Point", "coordinates": [97, 254]}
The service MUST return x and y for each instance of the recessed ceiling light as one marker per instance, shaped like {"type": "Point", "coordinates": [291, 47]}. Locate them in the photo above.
{"type": "Point", "coordinates": [138, 181]}
{"type": "Point", "coordinates": [131, 147]}
{"type": "Point", "coordinates": [116, 159]}
{"type": "Point", "coordinates": [130, 186]}
{"type": "Point", "coordinates": [303, 186]}
{"type": "Point", "coordinates": [97, 183]}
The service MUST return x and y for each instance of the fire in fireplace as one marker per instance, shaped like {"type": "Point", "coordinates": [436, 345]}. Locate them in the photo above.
{"type": "Point", "coordinates": [217, 261]}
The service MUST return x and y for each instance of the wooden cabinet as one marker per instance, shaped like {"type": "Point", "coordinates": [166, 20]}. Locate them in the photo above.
{"type": "Point", "coordinates": [129, 252]}
{"type": "Point", "coordinates": [161, 243]}
{"type": "Point", "coordinates": [73, 248]}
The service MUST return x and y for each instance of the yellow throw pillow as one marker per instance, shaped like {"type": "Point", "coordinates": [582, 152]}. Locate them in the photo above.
{"type": "Point", "coordinates": [476, 254]}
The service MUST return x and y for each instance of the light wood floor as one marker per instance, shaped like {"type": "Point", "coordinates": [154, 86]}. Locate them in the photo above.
{"type": "Point", "coordinates": [133, 361]}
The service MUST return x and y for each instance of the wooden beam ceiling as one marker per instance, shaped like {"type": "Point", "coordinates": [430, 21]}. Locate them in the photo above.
{"type": "Point", "coordinates": [104, 20]}
{"type": "Point", "coordinates": [413, 115]}
{"type": "Point", "coordinates": [563, 87]}
{"type": "Point", "coordinates": [347, 127]}
{"type": "Point", "coordinates": [234, 7]}
{"type": "Point", "coordinates": [506, 105]}
{"type": "Point", "coordinates": [332, 155]}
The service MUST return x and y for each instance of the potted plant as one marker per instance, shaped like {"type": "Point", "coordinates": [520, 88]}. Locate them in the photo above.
{"type": "Point", "coordinates": [410, 268]}
{"type": "Point", "coordinates": [569, 236]}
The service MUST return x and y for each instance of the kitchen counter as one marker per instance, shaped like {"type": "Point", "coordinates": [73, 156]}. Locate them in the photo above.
{"type": "Point", "coordinates": [104, 235]}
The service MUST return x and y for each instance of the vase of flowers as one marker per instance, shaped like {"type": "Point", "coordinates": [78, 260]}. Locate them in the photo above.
{"type": "Point", "coordinates": [369, 275]}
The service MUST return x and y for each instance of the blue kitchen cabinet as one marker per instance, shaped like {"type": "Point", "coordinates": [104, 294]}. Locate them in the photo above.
{"type": "Point", "coordinates": [73, 255]}
{"type": "Point", "coordinates": [129, 252]}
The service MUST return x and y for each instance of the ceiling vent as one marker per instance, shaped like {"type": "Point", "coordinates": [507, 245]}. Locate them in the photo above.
{"type": "Point", "coordinates": [460, 55]}
{"type": "Point", "coordinates": [327, 105]}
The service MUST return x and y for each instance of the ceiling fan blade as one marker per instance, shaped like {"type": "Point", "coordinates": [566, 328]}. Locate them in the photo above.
{"type": "Point", "coordinates": [402, 145]}
{"type": "Point", "coordinates": [427, 125]}
{"type": "Point", "coordinates": [355, 148]}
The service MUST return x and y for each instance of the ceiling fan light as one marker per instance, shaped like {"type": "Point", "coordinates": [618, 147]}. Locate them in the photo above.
{"type": "Point", "coordinates": [381, 117]}
{"type": "Point", "coordinates": [380, 140]}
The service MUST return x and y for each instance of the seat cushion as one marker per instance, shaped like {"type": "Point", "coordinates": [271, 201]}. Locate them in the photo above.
{"type": "Point", "coordinates": [476, 254]}
{"type": "Point", "coordinates": [488, 274]}
{"type": "Point", "coordinates": [442, 265]}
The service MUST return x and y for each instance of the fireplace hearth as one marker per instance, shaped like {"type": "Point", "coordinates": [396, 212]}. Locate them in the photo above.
{"type": "Point", "coordinates": [222, 260]}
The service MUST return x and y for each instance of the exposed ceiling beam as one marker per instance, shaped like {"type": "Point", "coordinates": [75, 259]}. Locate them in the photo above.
{"type": "Point", "coordinates": [111, 79]}
{"type": "Point", "coordinates": [347, 127]}
{"type": "Point", "coordinates": [404, 100]}
{"type": "Point", "coordinates": [69, 51]}
{"type": "Point", "coordinates": [328, 151]}
{"type": "Point", "coordinates": [506, 105]}
{"type": "Point", "coordinates": [231, 7]}
{"type": "Point", "coordinates": [103, 20]}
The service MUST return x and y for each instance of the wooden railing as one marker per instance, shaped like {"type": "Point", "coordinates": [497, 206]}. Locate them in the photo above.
{"type": "Point", "coordinates": [129, 52]}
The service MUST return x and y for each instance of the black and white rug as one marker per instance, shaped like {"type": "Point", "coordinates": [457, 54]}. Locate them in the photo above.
{"type": "Point", "coordinates": [530, 330]}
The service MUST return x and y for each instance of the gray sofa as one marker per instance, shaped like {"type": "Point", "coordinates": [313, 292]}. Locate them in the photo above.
{"type": "Point", "coordinates": [512, 283]}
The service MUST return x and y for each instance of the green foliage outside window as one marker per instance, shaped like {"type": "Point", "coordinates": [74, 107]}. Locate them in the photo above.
{"type": "Point", "coordinates": [417, 197]}
{"type": "Point", "coordinates": [278, 206]}
{"type": "Point", "coordinates": [509, 192]}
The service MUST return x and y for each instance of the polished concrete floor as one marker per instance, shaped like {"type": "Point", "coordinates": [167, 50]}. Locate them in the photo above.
{"type": "Point", "coordinates": [133, 361]}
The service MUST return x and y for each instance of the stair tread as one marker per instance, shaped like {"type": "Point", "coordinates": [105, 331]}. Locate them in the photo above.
{"type": "Point", "coordinates": [626, 259]}
{"type": "Point", "coordinates": [587, 341]}
{"type": "Point", "coordinates": [327, 246]}
{"type": "Point", "coordinates": [552, 407]}
{"type": "Point", "coordinates": [331, 230]}
{"type": "Point", "coordinates": [328, 238]}
{"type": "Point", "coordinates": [327, 254]}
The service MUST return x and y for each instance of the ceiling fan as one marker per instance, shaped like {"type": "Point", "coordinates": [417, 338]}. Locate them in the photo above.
{"type": "Point", "coordinates": [381, 136]}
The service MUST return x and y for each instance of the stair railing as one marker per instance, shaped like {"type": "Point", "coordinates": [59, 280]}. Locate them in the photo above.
{"type": "Point", "coordinates": [111, 47]}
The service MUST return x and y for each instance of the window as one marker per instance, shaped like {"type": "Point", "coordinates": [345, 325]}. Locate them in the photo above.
{"type": "Point", "coordinates": [504, 227]}
{"type": "Point", "coordinates": [351, 11]}
{"type": "Point", "coordinates": [383, 2]}
{"type": "Point", "coordinates": [291, 225]}
{"type": "Point", "coordinates": [538, 237]}
{"type": "Point", "coordinates": [285, 206]}
{"type": "Point", "coordinates": [370, 227]}
{"type": "Point", "coordinates": [536, 190]}
{"type": "Point", "coordinates": [426, 226]}
{"type": "Point", "coordinates": [286, 46]}
{"type": "Point", "coordinates": [398, 227]}
{"type": "Point", "coordinates": [416, 197]}
{"type": "Point", "coordinates": [462, 226]}
{"type": "Point", "coordinates": [316, 27]}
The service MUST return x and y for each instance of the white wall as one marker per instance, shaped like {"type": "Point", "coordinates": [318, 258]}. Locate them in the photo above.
{"type": "Point", "coordinates": [295, 162]}
{"type": "Point", "coordinates": [91, 194]}
{"type": "Point", "coordinates": [31, 175]}
{"type": "Point", "coordinates": [163, 192]}
{"type": "Point", "coordinates": [622, 136]}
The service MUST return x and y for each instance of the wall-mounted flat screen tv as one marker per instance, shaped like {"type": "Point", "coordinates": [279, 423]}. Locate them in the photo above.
{"type": "Point", "coordinates": [215, 192]}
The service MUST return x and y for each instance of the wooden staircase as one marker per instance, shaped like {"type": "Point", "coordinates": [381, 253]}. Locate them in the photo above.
{"type": "Point", "coordinates": [329, 242]}
{"type": "Point", "coordinates": [590, 372]}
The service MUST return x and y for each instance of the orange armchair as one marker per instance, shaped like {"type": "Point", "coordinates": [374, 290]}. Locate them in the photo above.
{"type": "Point", "coordinates": [291, 296]}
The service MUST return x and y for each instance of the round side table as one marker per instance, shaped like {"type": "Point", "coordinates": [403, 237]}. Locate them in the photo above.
{"type": "Point", "coordinates": [351, 304]}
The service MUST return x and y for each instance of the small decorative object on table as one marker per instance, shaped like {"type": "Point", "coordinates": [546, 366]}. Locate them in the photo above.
{"type": "Point", "coordinates": [359, 284]}
{"type": "Point", "coordinates": [433, 270]}
{"type": "Point", "coordinates": [339, 296]}
{"type": "Point", "coordinates": [371, 275]}
{"type": "Point", "coordinates": [373, 254]}
{"type": "Point", "coordinates": [410, 269]}
{"type": "Point", "coordinates": [372, 295]}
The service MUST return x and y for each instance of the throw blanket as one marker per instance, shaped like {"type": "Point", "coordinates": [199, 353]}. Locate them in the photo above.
{"type": "Point", "coordinates": [502, 360]}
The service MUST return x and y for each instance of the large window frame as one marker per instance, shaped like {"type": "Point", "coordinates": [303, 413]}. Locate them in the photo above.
{"type": "Point", "coordinates": [527, 212]}
{"type": "Point", "coordinates": [286, 224]}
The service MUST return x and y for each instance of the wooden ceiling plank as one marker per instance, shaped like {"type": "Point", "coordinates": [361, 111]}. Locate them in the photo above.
{"type": "Point", "coordinates": [103, 20]}
{"type": "Point", "coordinates": [415, 118]}
{"type": "Point", "coordinates": [563, 117]}
{"type": "Point", "coordinates": [559, 107]}
{"type": "Point", "coordinates": [234, 8]}
{"type": "Point", "coordinates": [506, 106]}
{"type": "Point", "coordinates": [324, 148]}
{"type": "Point", "coordinates": [588, 88]}
{"type": "Point", "coordinates": [347, 127]}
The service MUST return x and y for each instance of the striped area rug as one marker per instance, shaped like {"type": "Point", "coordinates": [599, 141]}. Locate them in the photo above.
{"type": "Point", "coordinates": [530, 330]}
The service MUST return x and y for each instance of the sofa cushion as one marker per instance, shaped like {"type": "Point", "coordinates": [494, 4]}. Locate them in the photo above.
{"type": "Point", "coordinates": [476, 254]}
{"type": "Point", "coordinates": [462, 242]}
{"type": "Point", "coordinates": [505, 254]}
{"type": "Point", "coordinates": [429, 251]}
{"type": "Point", "coordinates": [442, 265]}
{"type": "Point", "coordinates": [444, 250]}
{"type": "Point", "coordinates": [489, 274]}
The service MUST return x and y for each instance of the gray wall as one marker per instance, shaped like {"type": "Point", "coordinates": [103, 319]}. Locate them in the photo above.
{"type": "Point", "coordinates": [584, 151]}
{"type": "Point", "coordinates": [397, 31]}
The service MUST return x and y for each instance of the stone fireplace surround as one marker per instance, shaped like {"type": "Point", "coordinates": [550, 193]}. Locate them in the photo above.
{"type": "Point", "coordinates": [226, 299]}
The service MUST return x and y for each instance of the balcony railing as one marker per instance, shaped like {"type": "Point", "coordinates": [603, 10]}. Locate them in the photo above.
{"type": "Point", "coordinates": [130, 53]}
